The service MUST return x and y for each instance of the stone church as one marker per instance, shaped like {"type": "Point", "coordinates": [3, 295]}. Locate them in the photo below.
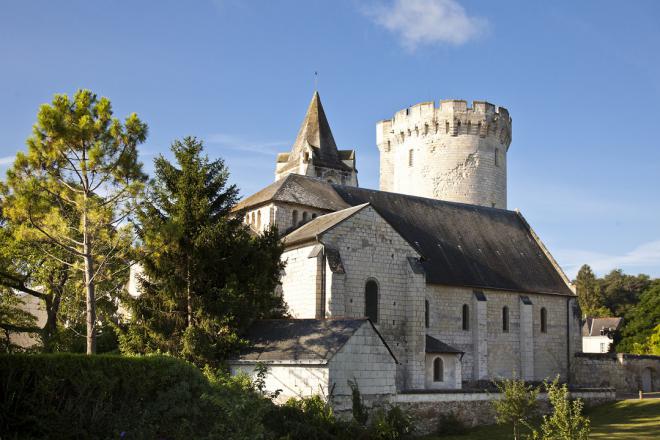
{"type": "Point", "coordinates": [429, 282]}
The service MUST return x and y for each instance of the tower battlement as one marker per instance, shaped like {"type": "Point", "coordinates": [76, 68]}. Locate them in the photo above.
{"type": "Point", "coordinates": [451, 117]}
{"type": "Point", "coordinates": [448, 151]}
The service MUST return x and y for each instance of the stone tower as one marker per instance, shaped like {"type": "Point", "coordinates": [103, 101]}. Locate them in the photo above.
{"type": "Point", "coordinates": [451, 152]}
{"type": "Point", "coordinates": [315, 154]}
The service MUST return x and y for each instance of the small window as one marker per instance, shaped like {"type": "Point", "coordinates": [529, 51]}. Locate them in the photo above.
{"type": "Point", "coordinates": [258, 219]}
{"type": "Point", "coordinates": [410, 158]}
{"type": "Point", "coordinates": [313, 216]}
{"type": "Point", "coordinates": [294, 218]}
{"type": "Point", "coordinates": [469, 127]}
{"type": "Point", "coordinates": [458, 130]}
{"type": "Point", "coordinates": [446, 127]}
{"type": "Point", "coordinates": [387, 148]}
{"type": "Point", "coordinates": [304, 217]}
{"type": "Point", "coordinates": [306, 157]}
{"type": "Point", "coordinates": [505, 319]}
{"type": "Point", "coordinates": [544, 320]}
{"type": "Point", "coordinates": [271, 216]}
{"type": "Point", "coordinates": [426, 313]}
{"type": "Point", "coordinates": [426, 128]}
{"type": "Point", "coordinates": [497, 157]}
{"type": "Point", "coordinates": [466, 317]}
{"type": "Point", "coordinates": [371, 300]}
{"type": "Point", "coordinates": [253, 219]}
{"type": "Point", "coordinates": [438, 373]}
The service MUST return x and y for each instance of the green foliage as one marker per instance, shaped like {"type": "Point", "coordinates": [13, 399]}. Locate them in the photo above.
{"type": "Point", "coordinates": [360, 412]}
{"type": "Point", "coordinates": [622, 292]}
{"type": "Point", "coordinates": [641, 322]}
{"type": "Point", "coordinates": [307, 418]}
{"type": "Point", "coordinates": [76, 396]}
{"type": "Point", "coordinates": [67, 198]}
{"type": "Point", "coordinates": [450, 424]}
{"type": "Point", "coordinates": [391, 424]}
{"type": "Point", "coordinates": [517, 404]}
{"type": "Point", "coordinates": [206, 277]}
{"type": "Point", "coordinates": [589, 294]}
{"type": "Point", "coordinates": [566, 421]}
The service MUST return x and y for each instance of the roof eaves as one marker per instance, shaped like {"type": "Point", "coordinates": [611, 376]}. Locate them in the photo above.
{"type": "Point", "coordinates": [547, 253]}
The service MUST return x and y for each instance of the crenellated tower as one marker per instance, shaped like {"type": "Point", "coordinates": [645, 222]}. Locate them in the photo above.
{"type": "Point", "coordinates": [449, 152]}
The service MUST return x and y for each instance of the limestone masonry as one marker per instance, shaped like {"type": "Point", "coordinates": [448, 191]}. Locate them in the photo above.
{"type": "Point", "coordinates": [457, 290]}
{"type": "Point", "coordinates": [450, 152]}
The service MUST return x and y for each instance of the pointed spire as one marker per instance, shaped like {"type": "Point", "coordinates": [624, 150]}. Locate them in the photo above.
{"type": "Point", "coordinates": [315, 132]}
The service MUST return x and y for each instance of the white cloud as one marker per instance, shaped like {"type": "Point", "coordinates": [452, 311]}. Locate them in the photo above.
{"type": "Point", "coordinates": [645, 256]}
{"type": "Point", "coordinates": [7, 160]}
{"type": "Point", "coordinates": [426, 22]}
{"type": "Point", "coordinates": [237, 143]}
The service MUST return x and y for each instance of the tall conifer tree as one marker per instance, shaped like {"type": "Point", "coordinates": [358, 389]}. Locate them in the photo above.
{"type": "Point", "coordinates": [75, 187]}
{"type": "Point", "coordinates": [206, 275]}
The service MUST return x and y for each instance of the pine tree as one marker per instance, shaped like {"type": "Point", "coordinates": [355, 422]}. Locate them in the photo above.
{"type": "Point", "coordinates": [588, 291]}
{"type": "Point", "coordinates": [74, 189]}
{"type": "Point", "coordinates": [206, 277]}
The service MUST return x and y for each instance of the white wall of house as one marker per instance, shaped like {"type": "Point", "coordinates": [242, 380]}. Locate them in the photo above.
{"type": "Point", "coordinates": [596, 344]}
{"type": "Point", "coordinates": [299, 282]}
{"type": "Point", "coordinates": [293, 379]}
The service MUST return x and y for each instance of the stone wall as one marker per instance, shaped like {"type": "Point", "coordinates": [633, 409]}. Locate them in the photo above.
{"type": "Point", "coordinates": [471, 408]}
{"type": "Point", "coordinates": [365, 360]}
{"type": "Point", "coordinates": [281, 215]}
{"type": "Point", "coordinates": [371, 250]}
{"type": "Point", "coordinates": [293, 379]}
{"type": "Point", "coordinates": [299, 282]}
{"type": "Point", "coordinates": [627, 373]}
{"type": "Point", "coordinates": [450, 152]}
{"type": "Point", "coordinates": [499, 353]}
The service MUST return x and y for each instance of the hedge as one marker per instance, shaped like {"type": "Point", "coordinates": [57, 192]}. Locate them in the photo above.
{"type": "Point", "coordinates": [59, 396]}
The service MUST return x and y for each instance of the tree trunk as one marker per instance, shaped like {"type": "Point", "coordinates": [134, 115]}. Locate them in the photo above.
{"type": "Point", "coordinates": [89, 288]}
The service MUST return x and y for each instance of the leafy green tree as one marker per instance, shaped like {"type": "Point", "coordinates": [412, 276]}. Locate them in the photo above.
{"type": "Point", "coordinates": [74, 189]}
{"type": "Point", "coordinates": [517, 404]}
{"type": "Point", "coordinates": [641, 321]}
{"type": "Point", "coordinates": [206, 276]}
{"type": "Point", "coordinates": [588, 291]}
{"type": "Point", "coordinates": [566, 421]}
{"type": "Point", "coordinates": [621, 292]}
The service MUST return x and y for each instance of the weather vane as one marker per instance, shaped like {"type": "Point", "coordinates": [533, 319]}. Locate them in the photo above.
{"type": "Point", "coordinates": [316, 81]}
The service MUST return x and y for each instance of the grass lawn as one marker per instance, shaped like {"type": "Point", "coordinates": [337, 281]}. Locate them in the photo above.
{"type": "Point", "coordinates": [626, 419]}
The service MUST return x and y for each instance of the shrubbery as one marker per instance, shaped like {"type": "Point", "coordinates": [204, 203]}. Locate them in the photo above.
{"type": "Point", "coordinates": [58, 396]}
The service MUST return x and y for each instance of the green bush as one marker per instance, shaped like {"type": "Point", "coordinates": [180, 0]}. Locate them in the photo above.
{"type": "Point", "coordinates": [393, 424]}
{"type": "Point", "coordinates": [60, 396]}
{"type": "Point", "coordinates": [450, 424]}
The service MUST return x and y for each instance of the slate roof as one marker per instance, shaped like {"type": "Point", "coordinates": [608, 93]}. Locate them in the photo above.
{"type": "Point", "coordinates": [315, 132]}
{"type": "Point", "coordinates": [296, 189]}
{"type": "Point", "coordinates": [460, 244]}
{"type": "Point", "coordinates": [434, 345]}
{"type": "Point", "coordinates": [593, 326]}
{"type": "Point", "coordinates": [312, 340]}
{"type": "Point", "coordinates": [466, 245]}
{"type": "Point", "coordinates": [320, 224]}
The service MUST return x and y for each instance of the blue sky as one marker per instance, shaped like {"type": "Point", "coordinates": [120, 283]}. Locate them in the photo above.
{"type": "Point", "coordinates": [581, 80]}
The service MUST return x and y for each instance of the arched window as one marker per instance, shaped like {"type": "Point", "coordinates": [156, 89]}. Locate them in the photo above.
{"type": "Point", "coordinates": [313, 216]}
{"type": "Point", "coordinates": [294, 218]}
{"type": "Point", "coordinates": [258, 219]}
{"type": "Point", "coordinates": [253, 219]}
{"type": "Point", "coordinates": [466, 317]}
{"type": "Point", "coordinates": [410, 158]}
{"type": "Point", "coordinates": [271, 216]}
{"type": "Point", "coordinates": [544, 320]}
{"type": "Point", "coordinates": [371, 300]}
{"type": "Point", "coordinates": [304, 217]}
{"type": "Point", "coordinates": [426, 313]}
{"type": "Point", "coordinates": [438, 372]}
{"type": "Point", "coordinates": [505, 319]}
{"type": "Point", "coordinates": [446, 127]}
{"type": "Point", "coordinates": [469, 127]}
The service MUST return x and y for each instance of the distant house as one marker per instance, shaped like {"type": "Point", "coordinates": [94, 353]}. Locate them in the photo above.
{"type": "Point", "coordinates": [596, 334]}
